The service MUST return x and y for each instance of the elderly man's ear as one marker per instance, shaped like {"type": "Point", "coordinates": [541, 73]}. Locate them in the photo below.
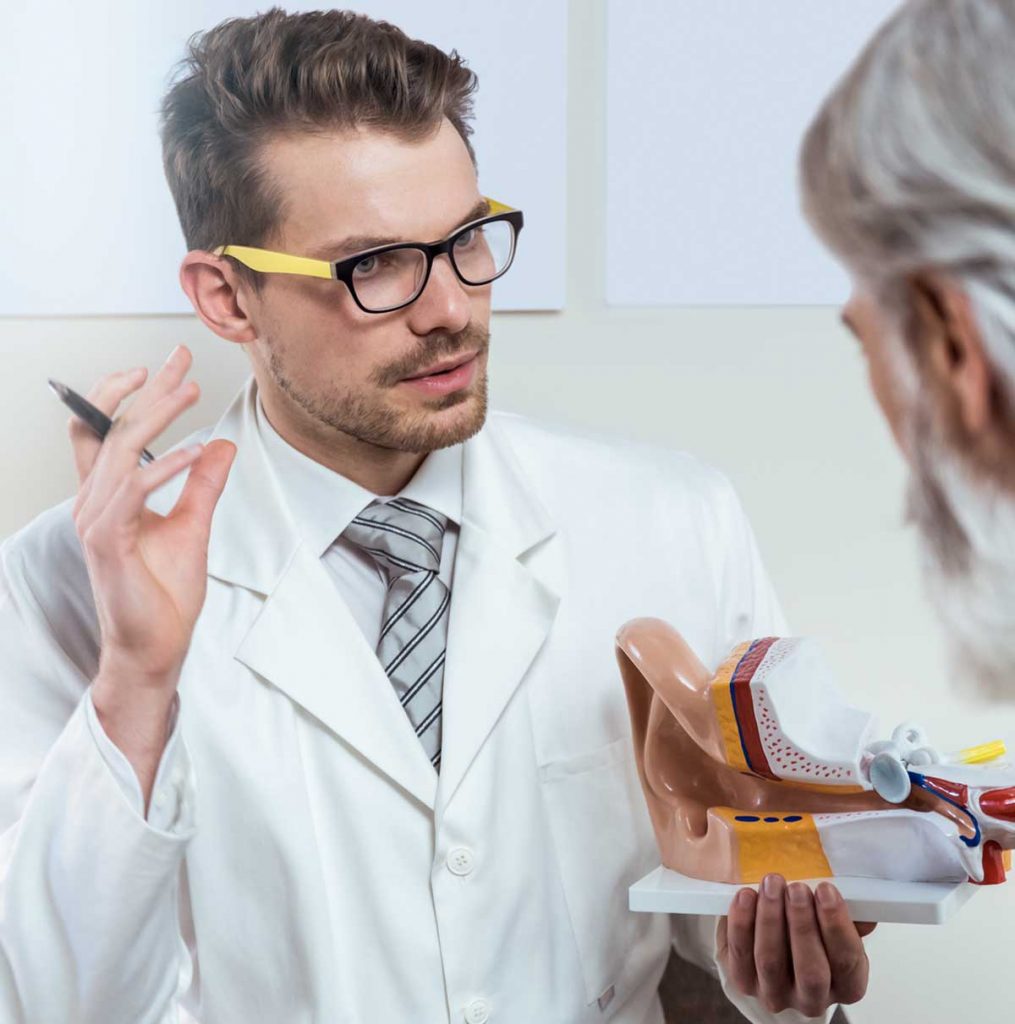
{"type": "Point", "coordinates": [967, 388]}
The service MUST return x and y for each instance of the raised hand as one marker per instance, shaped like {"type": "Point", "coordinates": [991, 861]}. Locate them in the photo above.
{"type": "Point", "coordinates": [148, 572]}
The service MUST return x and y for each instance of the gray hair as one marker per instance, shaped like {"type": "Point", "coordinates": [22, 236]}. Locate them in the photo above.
{"type": "Point", "coordinates": [909, 164]}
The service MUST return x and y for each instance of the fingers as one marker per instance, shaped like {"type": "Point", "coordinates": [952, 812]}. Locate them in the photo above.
{"type": "Point", "coordinates": [791, 950]}
{"type": "Point", "coordinates": [122, 520]}
{"type": "Point", "coordinates": [771, 946]}
{"type": "Point", "coordinates": [119, 459]}
{"type": "Point", "coordinates": [204, 486]}
{"type": "Point", "coordinates": [168, 377]}
{"type": "Point", "coordinates": [111, 390]}
{"type": "Point", "coordinates": [106, 394]}
{"type": "Point", "coordinates": [737, 931]}
{"type": "Point", "coordinates": [847, 959]}
{"type": "Point", "coordinates": [811, 973]}
{"type": "Point", "coordinates": [154, 409]}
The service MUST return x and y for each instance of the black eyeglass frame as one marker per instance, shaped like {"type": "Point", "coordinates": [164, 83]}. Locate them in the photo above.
{"type": "Point", "coordinates": [342, 270]}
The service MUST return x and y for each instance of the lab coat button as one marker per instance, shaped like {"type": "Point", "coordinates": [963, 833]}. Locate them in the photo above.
{"type": "Point", "coordinates": [461, 862]}
{"type": "Point", "coordinates": [477, 1012]}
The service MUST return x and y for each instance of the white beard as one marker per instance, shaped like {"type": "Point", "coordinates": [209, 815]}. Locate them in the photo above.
{"type": "Point", "coordinates": [967, 533]}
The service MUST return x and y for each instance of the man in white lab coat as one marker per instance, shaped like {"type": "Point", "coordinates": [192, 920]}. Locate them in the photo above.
{"type": "Point", "coordinates": [221, 793]}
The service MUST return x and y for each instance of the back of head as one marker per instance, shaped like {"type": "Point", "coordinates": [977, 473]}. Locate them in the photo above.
{"type": "Point", "coordinates": [910, 163]}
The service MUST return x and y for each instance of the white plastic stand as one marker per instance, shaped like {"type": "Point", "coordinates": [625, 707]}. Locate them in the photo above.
{"type": "Point", "coordinates": [867, 899]}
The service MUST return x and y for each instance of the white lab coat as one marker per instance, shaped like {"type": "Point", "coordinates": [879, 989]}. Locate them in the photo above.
{"type": "Point", "coordinates": [318, 872]}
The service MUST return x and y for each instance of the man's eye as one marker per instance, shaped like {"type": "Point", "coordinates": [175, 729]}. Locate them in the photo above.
{"type": "Point", "coordinates": [366, 266]}
{"type": "Point", "coordinates": [466, 238]}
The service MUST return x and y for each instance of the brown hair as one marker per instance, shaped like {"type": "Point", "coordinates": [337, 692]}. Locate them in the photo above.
{"type": "Point", "coordinates": [249, 79]}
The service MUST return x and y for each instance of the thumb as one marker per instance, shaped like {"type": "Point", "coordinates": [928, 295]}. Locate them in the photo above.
{"type": "Point", "coordinates": [205, 483]}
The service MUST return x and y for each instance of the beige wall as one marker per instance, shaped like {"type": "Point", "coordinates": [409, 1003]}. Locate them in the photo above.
{"type": "Point", "coordinates": [775, 397]}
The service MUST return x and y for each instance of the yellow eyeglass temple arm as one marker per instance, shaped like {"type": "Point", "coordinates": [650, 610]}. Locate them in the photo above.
{"type": "Point", "coordinates": [270, 262]}
{"type": "Point", "coordinates": [276, 262]}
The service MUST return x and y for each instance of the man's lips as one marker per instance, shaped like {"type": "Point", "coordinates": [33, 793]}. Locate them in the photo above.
{"type": "Point", "coordinates": [444, 367]}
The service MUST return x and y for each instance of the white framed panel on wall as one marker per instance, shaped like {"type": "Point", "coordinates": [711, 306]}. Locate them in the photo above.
{"type": "Point", "coordinates": [88, 222]}
{"type": "Point", "coordinates": [707, 101]}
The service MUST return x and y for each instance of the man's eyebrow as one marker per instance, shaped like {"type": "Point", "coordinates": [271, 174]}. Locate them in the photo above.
{"type": "Point", "coordinates": [359, 243]}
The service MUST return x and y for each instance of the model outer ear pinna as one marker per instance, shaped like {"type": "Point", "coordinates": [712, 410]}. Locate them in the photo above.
{"type": "Point", "coordinates": [762, 766]}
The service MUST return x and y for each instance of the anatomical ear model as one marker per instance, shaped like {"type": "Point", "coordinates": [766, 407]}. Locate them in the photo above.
{"type": "Point", "coordinates": [762, 766]}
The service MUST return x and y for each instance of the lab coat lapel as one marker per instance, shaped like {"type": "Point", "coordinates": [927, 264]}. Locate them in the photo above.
{"type": "Point", "coordinates": [501, 609]}
{"type": "Point", "coordinates": [307, 643]}
{"type": "Point", "coordinates": [304, 640]}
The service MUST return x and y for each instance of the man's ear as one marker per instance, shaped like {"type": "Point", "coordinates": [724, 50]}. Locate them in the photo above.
{"type": "Point", "coordinates": [952, 351]}
{"type": "Point", "coordinates": [212, 286]}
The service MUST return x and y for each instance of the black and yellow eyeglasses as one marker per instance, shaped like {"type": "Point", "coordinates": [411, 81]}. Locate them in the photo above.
{"type": "Point", "coordinates": [389, 277]}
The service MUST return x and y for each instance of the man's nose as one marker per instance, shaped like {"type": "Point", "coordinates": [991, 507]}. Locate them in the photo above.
{"type": "Point", "coordinates": [444, 303]}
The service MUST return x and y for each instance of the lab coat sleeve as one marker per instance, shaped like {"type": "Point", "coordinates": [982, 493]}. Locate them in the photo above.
{"type": "Point", "coordinates": [89, 890]}
{"type": "Point", "coordinates": [747, 608]}
{"type": "Point", "coordinates": [168, 791]}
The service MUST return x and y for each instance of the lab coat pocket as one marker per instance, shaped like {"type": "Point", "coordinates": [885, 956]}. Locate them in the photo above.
{"type": "Point", "coordinates": [604, 843]}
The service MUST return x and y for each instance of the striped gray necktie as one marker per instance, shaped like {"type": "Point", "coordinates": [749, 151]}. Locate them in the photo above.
{"type": "Point", "coordinates": [404, 538]}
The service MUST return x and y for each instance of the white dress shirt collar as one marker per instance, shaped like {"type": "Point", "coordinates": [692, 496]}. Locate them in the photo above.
{"type": "Point", "coordinates": [323, 503]}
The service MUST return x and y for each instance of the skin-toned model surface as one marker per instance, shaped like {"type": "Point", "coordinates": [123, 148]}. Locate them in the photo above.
{"type": "Point", "coordinates": [760, 768]}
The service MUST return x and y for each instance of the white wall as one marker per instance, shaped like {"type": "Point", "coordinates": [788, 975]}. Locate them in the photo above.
{"type": "Point", "coordinates": [712, 199]}
{"type": "Point", "coordinates": [775, 397]}
{"type": "Point", "coordinates": [93, 184]}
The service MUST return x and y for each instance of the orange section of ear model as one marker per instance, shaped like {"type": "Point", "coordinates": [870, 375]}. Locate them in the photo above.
{"type": "Point", "coordinates": [780, 841]}
{"type": "Point", "coordinates": [722, 701]}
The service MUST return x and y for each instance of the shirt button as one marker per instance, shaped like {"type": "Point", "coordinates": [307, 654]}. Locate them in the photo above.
{"type": "Point", "coordinates": [160, 797]}
{"type": "Point", "coordinates": [477, 1012]}
{"type": "Point", "coordinates": [461, 862]}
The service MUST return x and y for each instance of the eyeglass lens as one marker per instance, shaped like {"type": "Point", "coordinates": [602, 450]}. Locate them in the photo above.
{"type": "Point", "coordinates": [393, 278]}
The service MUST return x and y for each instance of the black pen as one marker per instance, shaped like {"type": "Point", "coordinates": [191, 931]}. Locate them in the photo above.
{"type": "Point", "coordinates": [94, 418]}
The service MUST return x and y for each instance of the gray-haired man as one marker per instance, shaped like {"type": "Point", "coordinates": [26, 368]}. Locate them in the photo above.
{"type": "Point", "coordinates": [908, 175]}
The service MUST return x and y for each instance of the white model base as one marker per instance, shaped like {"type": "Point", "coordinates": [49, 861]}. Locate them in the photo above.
{"type": "Point", "coordinates": [867, 899]}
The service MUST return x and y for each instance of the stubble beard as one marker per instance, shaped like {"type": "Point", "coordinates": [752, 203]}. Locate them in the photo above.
{"type": "Point", "coordinates": [367, 418]}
